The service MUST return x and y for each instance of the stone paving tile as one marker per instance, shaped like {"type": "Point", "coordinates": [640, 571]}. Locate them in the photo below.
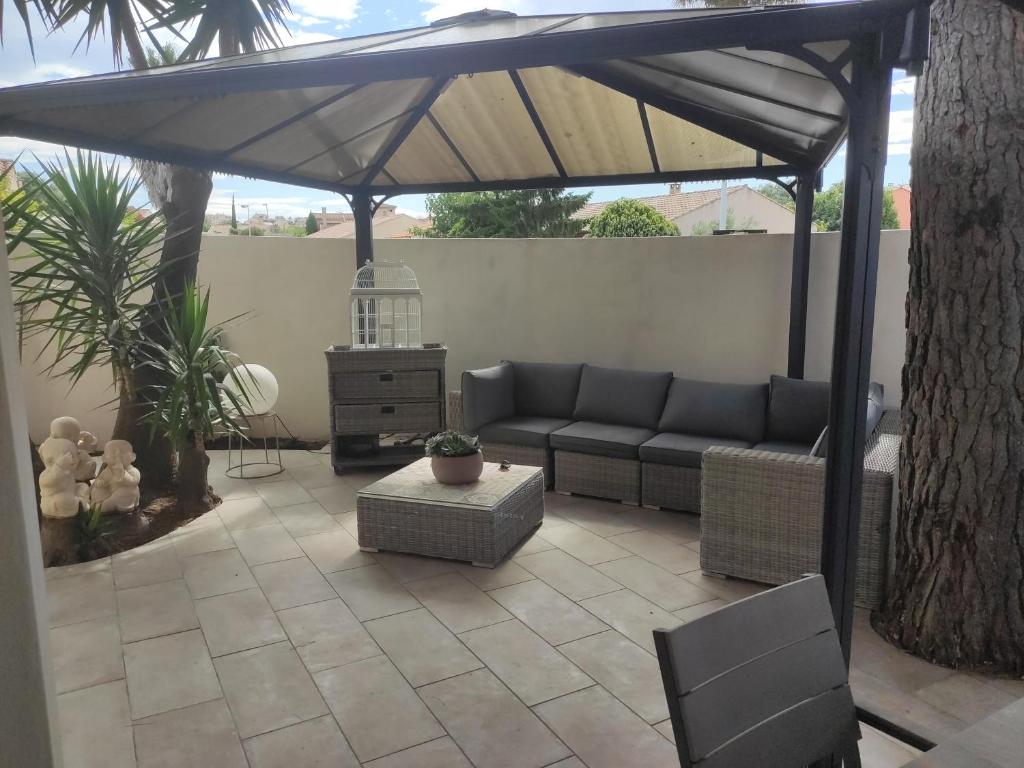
{"type": "Point", "coordinates": [377, 710]}
{"type": "Point", "coordinates": [421, 647]}
{"type": "Point", "coordinates": [551, 615]}
{"type": "Point", "coordinates": [458, 604]}
{"type": "Point", "coordinates": [729, 590]}
{"type": "Point", "coordinates": [282, 493]}
{"type": "Point", "coordinates": [169, 672]}
{"type": "Point", "coordinates": [206, 534]}
{"type": "Point", "coordinates": [568, 575]}
{"type": "Point", "coordinates": [406, 568]}
{"type": "Point", "coordinates": [313, 744]}
{"type": "Point", "coordinates": [78, 569]}
{"type": "Point", "coordinates": [95, 727]}
{"type": "Point", "coordinates": [604, 733]}
{"type": "Point", "coordinates": [680, 527]}
{"type": "Point", "coordinates": [605, 518]}
{"type": "Point", "coordinates": [200, 735]}
{"type": "Point", "coordinates": [81, 598]}
{"type": "Point", "coordinates": [155, 610]}
{"type": "Point", "coordinates": [491, 725]}
{"type": "Point", "coordinates": [529, 666]}
{"type": "Point", "coordinates": [86, 654]}
{"type": "Point", "coordinates": [149, 564]}
{"type": "Point", "coordinates": [318, 475]}
{"type": "Point", "coordinates": [327, 635]}
{"type": "Point", "coordinates": [334, 551]}
{"type": "Point", "coordinates": [585, 546]}
{"type": "Point", "coordinates": [250, 512]}
{"type": "Point", "coordinates": [632, 615]}
{"type": "Point", "coordinates": [229, 488]}
{"type": "Point", "coordinates": [626, 670]}
{"type": "Point", "coordinates": [217, 573]}
{"type": "Point", "coordinates": [965, 697]}
{"type": "Point", "coordinates": [503, 575]}
{"type": "Point", "coordinates": [661, 587]}
{"type": "Point", "coordinates": [266, 544]}
{"type": "Point", "coordinates": [289, 583]}
{"type": "Point", "coordinates": [440, 753]}
{"type": "Point", "coordinates": [656, 549]}
{"type": "Point", "coordinates": [372, 592]}
{"type": "Point", "coordinates": [268, 688]}
{"type": "Point", "coordinates": [304, 519]}
{"type": "Point", "coordinates": [238, 621]}
{"type": "Point", "coordinates": [335, 498]}
{"type": "Point", "coordinates": [701, 609]}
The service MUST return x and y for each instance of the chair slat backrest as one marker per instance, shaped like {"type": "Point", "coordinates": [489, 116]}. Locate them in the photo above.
{"type": "Point", "coordinates": [763, 676]}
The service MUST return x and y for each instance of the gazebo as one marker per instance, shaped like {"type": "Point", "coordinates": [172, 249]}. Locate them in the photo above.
{"type": "Point", "coordinates": [490, 100]}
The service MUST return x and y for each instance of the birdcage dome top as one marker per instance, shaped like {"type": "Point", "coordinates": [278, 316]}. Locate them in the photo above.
{"type": "Point", "coordinates": [385, 277]}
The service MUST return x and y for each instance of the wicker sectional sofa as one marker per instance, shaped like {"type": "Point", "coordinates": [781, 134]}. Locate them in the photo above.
{"type": "Point", "coordinates": [747, 456]}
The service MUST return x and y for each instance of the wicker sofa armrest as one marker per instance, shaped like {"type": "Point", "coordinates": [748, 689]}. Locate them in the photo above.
{"type": "Point", "coordinates": [761, 512]}
{"type": "Point", "coordinates": [455, 410]}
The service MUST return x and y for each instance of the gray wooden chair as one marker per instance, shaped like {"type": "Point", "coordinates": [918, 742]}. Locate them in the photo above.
{"type": "Point", "coordinates": [760, 683]}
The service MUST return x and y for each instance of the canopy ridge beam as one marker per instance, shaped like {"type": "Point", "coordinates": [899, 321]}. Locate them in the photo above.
{"type": "Point", "coordinates": [300, 115]}
{"type": "Point", "coordinates": [735, 90]}
{"type": "Point", "coordinates": [538, 124]}
{"type": "Point", "coordinates": [729, 126]}
{"type": "Point", "coordinates": [440, 84]}
{"type": "Point", "coordinates": [349, 140]}
{"type": "Point", "coordinates": [646, 123]}
{"type": "Point", "coordinates": [451, 145]}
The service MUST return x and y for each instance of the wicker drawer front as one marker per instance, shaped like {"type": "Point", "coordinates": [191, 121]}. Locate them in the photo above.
{"type": "Point", "coordinates": [378, 386]}
{"type": "Point", "coordinates": [387, 417]}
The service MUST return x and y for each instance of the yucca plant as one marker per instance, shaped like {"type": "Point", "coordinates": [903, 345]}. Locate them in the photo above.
{"type": "Point", "coordinates": [188, 401]}
{"type": "Point", "coordinates": [92, 266]}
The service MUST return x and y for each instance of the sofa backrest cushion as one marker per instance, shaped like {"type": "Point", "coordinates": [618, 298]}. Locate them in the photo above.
{"type": "Point", "coordinates": [711, 409]}
{"type": "Point", "coordinates": [546, 389]}
{"type": "Point", "coordinates": [797, 410]}
{"type": "Point", "coordinates": [876, 409]}
{"type": "Point", "coordinates": [619, 396]}
{"type": "Point", "coordinates": [487, 395]}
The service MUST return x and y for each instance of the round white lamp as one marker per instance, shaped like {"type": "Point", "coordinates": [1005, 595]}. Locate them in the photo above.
{"type": "Point", "coordinates": [255, 382]}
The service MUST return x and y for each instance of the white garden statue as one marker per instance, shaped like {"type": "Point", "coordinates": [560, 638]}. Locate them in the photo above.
{"type": "Point", "coordinates": [116, 488]}
{"type": "Point", "coordinates": [59, 495]}
{"type": "Point", "coordinates": [67, 428]}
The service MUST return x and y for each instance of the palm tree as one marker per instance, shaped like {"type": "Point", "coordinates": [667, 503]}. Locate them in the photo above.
{"type": "Point", "coordinates": [47, 9]}
{"type": "Point", "coordinates": [181, 194]}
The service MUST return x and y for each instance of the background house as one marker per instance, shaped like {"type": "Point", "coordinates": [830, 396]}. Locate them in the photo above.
{"type": "Point", "coordinates": [901, 197]}
{"type": "Point", "coordinates": [749, 208]}
{"type": "Point", "coordinates": [387, 222]}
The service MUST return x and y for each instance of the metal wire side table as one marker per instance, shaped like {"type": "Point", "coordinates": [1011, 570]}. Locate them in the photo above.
{"type": "Point", "coordinates": [268, 467]}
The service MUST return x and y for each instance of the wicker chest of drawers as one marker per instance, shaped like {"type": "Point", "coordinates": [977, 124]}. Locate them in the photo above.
{"type": "Point", "coordinates": [384, 403]}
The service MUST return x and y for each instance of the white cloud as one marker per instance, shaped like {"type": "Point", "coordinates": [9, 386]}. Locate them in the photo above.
{"type": "Point", "coordinates": [330, 10]}
{"type": "Point", "coordinates": [900, 148]}
{"type": "Point", "coordinates": [904, 86]}
{"type": "Point", "coordinates": [901, 126]}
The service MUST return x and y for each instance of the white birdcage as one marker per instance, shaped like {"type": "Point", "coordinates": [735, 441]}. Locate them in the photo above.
{"type": "Point", "coordinates": [386, 305]}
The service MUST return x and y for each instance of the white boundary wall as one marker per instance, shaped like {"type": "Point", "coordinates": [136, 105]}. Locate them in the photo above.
{"type": "Point", "coordinates": [714, 308]}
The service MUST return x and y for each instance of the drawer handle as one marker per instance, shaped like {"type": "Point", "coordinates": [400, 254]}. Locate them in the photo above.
{"type": "Point", "coordinates": [387, 376]}
{"type": "Point", "coordinates": [387, 409]}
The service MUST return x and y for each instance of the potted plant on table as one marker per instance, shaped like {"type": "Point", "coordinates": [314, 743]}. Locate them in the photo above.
{"type": "Point", "coordinates": [455, 459]}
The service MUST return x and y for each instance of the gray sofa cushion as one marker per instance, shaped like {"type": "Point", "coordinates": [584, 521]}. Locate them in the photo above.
{"type": "Point", "coordinates": [780, 446]}
{"type": "Point", "coordinates": [683, 450]}
{"type": "Point", "coordinates": [487, 395]}
{"type": "Point", "coordinates": [521, 430]}
{"type": "Point", "coordinates": [613, 440]}
{"type": "Point", "coordinates": [876, 408]}
{"type": "Point", "coordinates": [717, 410]}
{"type": "Point", "coordinates": [546, 389]}
{"type": "Point", "coordinates": [619, 396]}
{"type": "Point", "coordinates": [797, 410]}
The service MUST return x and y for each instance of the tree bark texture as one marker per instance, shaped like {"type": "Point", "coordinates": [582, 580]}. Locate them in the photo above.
{"type": "Point", "coordinates": [958, 593]}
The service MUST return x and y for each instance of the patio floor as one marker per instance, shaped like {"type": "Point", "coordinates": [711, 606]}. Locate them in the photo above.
{"type": "Point", "coordinates": [260, 635]}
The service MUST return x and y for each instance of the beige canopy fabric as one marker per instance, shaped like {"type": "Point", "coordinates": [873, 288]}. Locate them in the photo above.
{"type": "Point", "coordinates": [489, 100]}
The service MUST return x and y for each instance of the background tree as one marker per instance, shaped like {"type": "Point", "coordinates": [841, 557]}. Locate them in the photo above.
{"type": "Point", "coordinates": [630, 218]}
{"type": "Point", "coordinates": [514, 213]}
{"type": "Point", "coordinates": [708, 227]}
{"type": "Point", "coordinates": [827, 213]}
{"type": "Point", "coordinates": [234, 218]}
{"type": "Point", "coordinates": [311, 224]}
{"type": "Point", "coordinates": [956, 597]}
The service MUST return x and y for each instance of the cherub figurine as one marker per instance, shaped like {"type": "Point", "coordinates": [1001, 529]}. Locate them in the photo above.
{"type": "Point", "coordinates": [116, 488]}
{"type": "Point", "coordinates": [67, 428]}
{"type": "Point", "coordinates": [59, 494]}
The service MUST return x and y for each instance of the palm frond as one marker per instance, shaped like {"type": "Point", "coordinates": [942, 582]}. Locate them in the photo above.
{"type": "Point", "coordinates": [47, 9]}
{"type": "Point", "coordinates": [240, 26]}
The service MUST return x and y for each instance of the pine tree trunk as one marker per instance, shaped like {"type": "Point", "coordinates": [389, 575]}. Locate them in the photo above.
{"type": "Point", "coordinates": [154, 453]}
{"type": "Point", "coordinates": [958, 593]}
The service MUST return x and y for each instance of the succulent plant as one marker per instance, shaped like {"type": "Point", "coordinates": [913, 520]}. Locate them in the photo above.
{"type": "Point", "coordinates": [451, 443]}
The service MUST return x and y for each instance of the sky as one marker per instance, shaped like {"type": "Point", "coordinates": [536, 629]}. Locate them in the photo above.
{"type": "Point", "coordinates": [60, 55]}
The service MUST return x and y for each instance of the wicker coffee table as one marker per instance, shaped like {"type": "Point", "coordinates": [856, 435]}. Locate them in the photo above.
{"type": "Point", "coordinates": [409, 511]}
